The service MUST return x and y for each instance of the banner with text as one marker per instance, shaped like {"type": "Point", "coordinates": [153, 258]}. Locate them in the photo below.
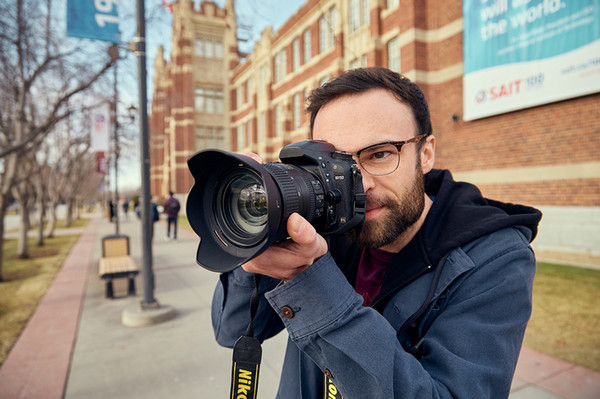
{"type": "Point", "coordinates": [523, 53]}
{"type": "Point", "coordinates": [93, 19]}
{"type": "Point", "coordinates": [101, 127]}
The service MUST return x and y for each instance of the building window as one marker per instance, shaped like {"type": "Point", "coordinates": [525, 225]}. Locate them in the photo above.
{"type": "Point", "coordinates": [365, 14]}
{"type": "Point", "coordinates": [209, 47]}
{"type": "Point", "coordinates": [322, 34]}
{"type": "Point", "coordinates": [392, 3]}
{"type": "Point", "coordinates": [393, 49]}
{"type": "Point", "coordinates": [296, 54]}
{"type": "Point", "coordinates": [249, 89]}
{"type": "Point", "coordinates": [280, 66]}
{"type": "Point", "coordinates": [209, 100]}
{"type": "Point", "coordinates": [358, 11]}
{"type": "Point", "coordinates": [262, 79]}
{"type": "Point", "coordinates": [307, 46]}
{"type": "Point", "coordinates": [358, 62]}
{"type": "Point", "coordinates": [209, 137]}
{"type": "Point", "coordinates": [240, 137]}
{"type": "Point", "coordinates": [353, 15]}
{"type": "Point", "coordinates": [239, 99]}
{"type": "Point", "coordinates": [332, 23]}
{"type": "Point", "coordinates": [324, 80]}
{"type": "Point", "coordinates": [327, 24]}
{"type": "Point", "coordinates": [296, 104]}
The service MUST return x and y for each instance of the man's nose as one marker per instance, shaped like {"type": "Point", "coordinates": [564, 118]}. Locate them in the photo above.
{"type": "Point", "coordinates": [368, 180]}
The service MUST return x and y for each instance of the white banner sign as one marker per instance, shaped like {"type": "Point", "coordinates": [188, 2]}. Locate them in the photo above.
{"type": "Point", "coordinates": [523, 53]}
{"type": "Point", "coordinates": [100, 131]}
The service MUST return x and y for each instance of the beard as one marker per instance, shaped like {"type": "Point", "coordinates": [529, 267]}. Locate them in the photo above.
{"type": "Point", "coordinates": [396, 218]}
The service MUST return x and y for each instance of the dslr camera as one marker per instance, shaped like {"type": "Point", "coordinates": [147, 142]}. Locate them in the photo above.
{"type": "Point", "coordinates": [239, 207]}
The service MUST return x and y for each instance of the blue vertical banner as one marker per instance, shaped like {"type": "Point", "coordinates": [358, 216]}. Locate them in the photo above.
{"type": "Point", "coordinates": [93, 19]}
{"type": "Point", "coordinates": [523, 53]}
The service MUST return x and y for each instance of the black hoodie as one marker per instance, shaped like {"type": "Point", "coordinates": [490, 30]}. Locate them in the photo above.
{"type": "Point", "coordinates": [459, 215]}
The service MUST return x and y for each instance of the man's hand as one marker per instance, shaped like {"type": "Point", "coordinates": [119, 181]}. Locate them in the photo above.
{"type": "Point", "coordinates": [286, 260]}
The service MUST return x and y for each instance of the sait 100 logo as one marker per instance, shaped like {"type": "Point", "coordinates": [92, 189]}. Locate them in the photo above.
{"type": "Point", "coordinates": [509, 89]}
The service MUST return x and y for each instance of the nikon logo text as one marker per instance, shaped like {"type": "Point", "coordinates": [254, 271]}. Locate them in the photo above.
{"type": "Point", "coordinates": [244, 384]}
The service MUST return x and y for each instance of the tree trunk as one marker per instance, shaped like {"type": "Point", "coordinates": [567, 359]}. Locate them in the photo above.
{"type": "Point", "coordinates": [23, 243]}
{"type": "Point", "coordinates": [40, 230]}
{"type": "Point", "coordinates": [51, 220]}
{"type": "Point", "coordinates": [69, 215]}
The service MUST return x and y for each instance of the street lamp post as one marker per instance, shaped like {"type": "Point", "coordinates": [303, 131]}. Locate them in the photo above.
{"type": "Point", "coordinates": [116, 143]}
{"type": "Point", "coordinates": [150, 311]}
{"type": "Point", "coordinates": [140, 52]}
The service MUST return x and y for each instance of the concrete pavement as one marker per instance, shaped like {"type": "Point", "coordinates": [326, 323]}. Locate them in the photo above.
{"type": "Point", "coordinates": [75, 346]}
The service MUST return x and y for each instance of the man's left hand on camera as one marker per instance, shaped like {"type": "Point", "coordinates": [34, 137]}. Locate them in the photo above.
{"type": "Point", "coordinates": [286, 260]}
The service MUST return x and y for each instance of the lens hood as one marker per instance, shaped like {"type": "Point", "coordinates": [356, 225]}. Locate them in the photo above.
{"type": "Point", "coordinates": [227, 239]}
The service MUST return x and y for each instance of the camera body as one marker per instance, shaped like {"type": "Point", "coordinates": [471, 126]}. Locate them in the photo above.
{"type": "Point", "coordinates": [339, 200]}
{"type": "Point", "coordinates": [239, 207]}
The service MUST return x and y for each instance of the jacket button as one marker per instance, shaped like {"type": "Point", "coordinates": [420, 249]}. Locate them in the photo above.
{"type": "Point", "coordinates": [287, 312]}
{"type": "Point", "coordinates": [328, 373]}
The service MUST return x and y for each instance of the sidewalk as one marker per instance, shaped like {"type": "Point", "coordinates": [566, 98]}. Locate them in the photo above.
{"type": "Point", "coordinates": [75, 346]}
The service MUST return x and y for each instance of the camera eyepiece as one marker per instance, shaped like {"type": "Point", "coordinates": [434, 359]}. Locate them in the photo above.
{"type": "Point", "coordinates": [239, 207]}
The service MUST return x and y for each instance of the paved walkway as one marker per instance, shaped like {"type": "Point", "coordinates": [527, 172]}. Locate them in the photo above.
{"type": "Point", "coordinates": [75, 346]}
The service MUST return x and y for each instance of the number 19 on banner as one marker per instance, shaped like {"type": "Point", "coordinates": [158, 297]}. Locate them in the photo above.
{"type": "Point", "coordinates": [93, 19]}
{"type": "Point", "coordinates": [103, 15]}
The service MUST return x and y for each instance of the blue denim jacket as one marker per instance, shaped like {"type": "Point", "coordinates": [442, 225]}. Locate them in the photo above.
{"type": "Point", "coordinates": [473, 327]}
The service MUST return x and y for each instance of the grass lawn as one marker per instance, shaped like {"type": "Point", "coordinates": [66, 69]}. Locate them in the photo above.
{"type": "Point", "coordinates": [27, 280]}
{"type": "Point", "coordinates": [565, 322]}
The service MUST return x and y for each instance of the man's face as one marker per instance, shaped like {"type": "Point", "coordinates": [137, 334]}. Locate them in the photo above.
{"type": "Point", "coordinates": [395, 202]}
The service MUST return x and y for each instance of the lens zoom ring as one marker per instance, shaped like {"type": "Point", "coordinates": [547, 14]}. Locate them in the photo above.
{"type": "Point", "coordinates": [289, 190]}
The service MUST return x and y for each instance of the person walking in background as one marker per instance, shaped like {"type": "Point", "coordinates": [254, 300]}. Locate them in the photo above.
{"type": "Point", "coordinates": [126, 209]}
{"type": "Point", "coordinates": [111, 210]}
{"type": "Point", "coordinates": [136, 208]}
{"type": "Point", "coordinates": [155, 214]}
{"type": "Point", "coordinates": [172, 208]}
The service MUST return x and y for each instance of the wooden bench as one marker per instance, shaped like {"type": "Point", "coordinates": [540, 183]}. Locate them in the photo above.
{"type": "Point", "coordinates": [117, 263]}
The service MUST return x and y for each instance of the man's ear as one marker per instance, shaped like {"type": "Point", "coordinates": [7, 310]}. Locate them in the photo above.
{"type": "Point", "coordinates": [428, 154]}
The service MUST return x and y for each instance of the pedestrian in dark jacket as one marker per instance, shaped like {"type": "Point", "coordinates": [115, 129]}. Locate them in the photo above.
{"type": "Point", "coordinates": [430, 299]}
{"type": "Point", "coordinates": [155, 215]}
{"type": "Point", "coordinates": [171, 208]}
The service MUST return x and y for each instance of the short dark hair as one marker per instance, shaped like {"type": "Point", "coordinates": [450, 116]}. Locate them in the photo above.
{"type": "Point", "coordinates": [360, 80]}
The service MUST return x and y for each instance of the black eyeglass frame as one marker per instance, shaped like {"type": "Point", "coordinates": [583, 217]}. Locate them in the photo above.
{"type": "Point", "coordinates": [397, 144]}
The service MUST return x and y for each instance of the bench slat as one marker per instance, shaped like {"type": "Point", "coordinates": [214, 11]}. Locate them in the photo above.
{"type": "Point", "coordinates": [117, 264]}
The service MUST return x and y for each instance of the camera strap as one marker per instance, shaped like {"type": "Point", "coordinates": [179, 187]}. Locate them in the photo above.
{"type": "Point", "coordinates": [331, 391]}
{"type": "Point", "coordinates": [247, 354]}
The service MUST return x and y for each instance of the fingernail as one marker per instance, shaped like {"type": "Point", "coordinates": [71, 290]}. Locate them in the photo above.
{"type": "Point", "coordinates": [298, 225]}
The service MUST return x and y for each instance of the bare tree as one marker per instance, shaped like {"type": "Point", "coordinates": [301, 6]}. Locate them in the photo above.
{"type": "Point", "coordinates": [40, 72]}
{"type": "Point", "coordinates": [64, 170]}
{"type": "Point", "coordinates": [40, 182]}
{"type": "Point", "coordinates": [23, 190]}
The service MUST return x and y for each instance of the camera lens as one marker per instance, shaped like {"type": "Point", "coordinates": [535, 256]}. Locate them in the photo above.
{"type": "Point", "coordinates": [239, 207]}
{"type": "Point", "coordinates": [245, 204]}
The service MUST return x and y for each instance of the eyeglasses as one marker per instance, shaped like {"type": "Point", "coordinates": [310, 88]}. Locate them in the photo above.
{"type": "Point", "coordinates": [382, 158]}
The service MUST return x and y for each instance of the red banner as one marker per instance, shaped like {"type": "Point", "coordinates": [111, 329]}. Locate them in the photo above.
{"type": "Point", "coordinates": [101, 165]}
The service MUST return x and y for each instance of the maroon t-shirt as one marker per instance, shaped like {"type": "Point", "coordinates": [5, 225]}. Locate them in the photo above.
{"type": "Point", "coordinates": [371, 269]}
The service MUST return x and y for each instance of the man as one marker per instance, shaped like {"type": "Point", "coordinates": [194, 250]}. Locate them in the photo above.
{"type": "Point", "coordinates": [430, 300]}
{"type": "Point", "coordinates": [171, 208]}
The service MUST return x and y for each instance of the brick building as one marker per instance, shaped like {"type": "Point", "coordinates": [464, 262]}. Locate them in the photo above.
{"type": "Point", "coordinates": [210, 95]}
